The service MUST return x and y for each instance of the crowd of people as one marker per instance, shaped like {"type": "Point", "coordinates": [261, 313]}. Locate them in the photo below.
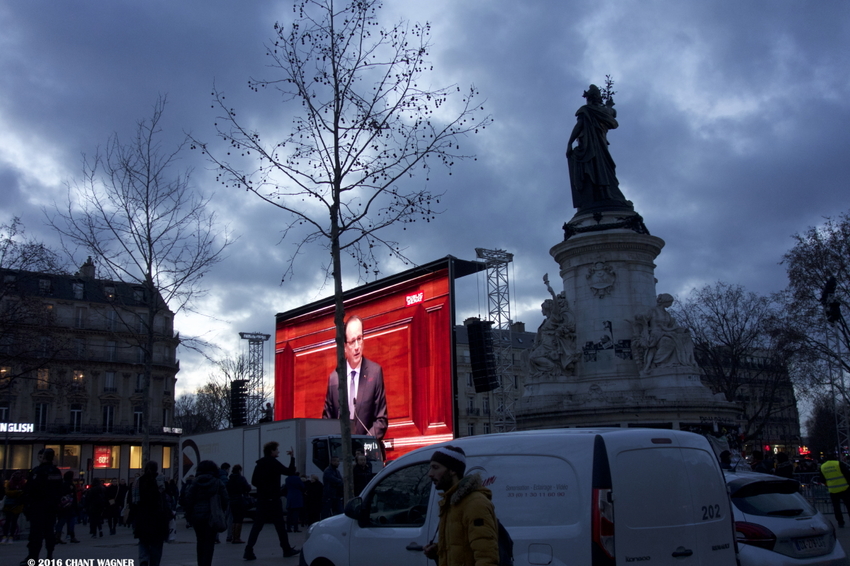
{"type": "Point", "coordinates": [215, 502]}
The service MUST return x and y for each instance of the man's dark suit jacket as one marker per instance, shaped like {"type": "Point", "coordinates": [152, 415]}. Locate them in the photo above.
{"type": "Point", "coordinates": [370, 413]}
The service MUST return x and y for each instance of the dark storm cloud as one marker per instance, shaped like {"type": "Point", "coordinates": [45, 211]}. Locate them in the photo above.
{"type": "Point", "coordinates": [733, 130]}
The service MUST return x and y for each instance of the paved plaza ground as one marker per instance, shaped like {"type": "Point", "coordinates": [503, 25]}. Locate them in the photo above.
{"type": "Point", "coordinates": [122, 546]}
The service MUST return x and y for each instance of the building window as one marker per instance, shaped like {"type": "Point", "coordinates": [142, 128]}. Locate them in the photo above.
{"type": "Point", "coordinates": [470, 404]}
{"type": "Point", "coordinates": [486, 406]}
{"type": "Point", "coordinates": [43, 379]}
{"type": "Point", "coordinates": [110, 351]}
{"type": "Point", "coordinates": [4, 412]}
{"type": "Point", "coordinates": [109, 382]}
{"type": "Point", "coordinates": [465, 356]}
{"type": "Point", "coordinates": [486, 428]}
{"type": "Point", "coordinates": [469, 381]}
{"type": "Point", "coordinates": [76, 417]}
{"type": "Point", "coordinates": [135, 457]}
{"type": "Point", "coordinates": [108, 418]}
{"type": "Point", "coordinates": [5, 375]}
{"type": "Point", "coordinates": [141, 327]}
{"type": "Point", "coordinates": [79, 379]}
{"type": "Point", "coordinates": [470, 429]}
{"type": "Point", "coordinates": [140, 355]}
{"type": "Point", "coordinates": [45, 287]}
{"type": "Point", "coordinates": [41, 417]}
{"type": "Point", "coordinates": [140, 383]}
{"type": "Point", "coordinates": [44, 347]}
{"type": "Point", "coordinates": [138, 295]}
{"type": "Point", "coordinates": [80, 347]}
{"type": "Point", "coordinates": [166, 457]}
{"type": "Point", "coordinates": [138, 419]}
{"type": "Point", "coordinates": [111, 319]}
{"type": "Point", "coordinates": [80, 314]}
{"type": "Point", "coordinates": [106, 456]}
{"type": "Point", "coordinates": [165, 419]}
{"type": "Point", "coordinates": [109, 291]}
{"type": "Point", "coordinates": [78, 290]}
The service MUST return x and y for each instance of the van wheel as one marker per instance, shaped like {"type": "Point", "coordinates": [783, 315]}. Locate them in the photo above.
{"type": "Point", "coordinates": [322, 562]}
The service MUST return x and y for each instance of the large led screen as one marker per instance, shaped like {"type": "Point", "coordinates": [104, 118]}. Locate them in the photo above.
{"type": "Point", "coordinates": [407, 323]}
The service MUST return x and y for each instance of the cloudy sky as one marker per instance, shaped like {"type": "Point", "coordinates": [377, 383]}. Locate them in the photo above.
{"type": "Point", "coordinates": [733, 130]}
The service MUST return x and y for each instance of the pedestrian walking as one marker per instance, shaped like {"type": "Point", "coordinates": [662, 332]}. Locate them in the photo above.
{"type": "Point", "coordinates": [313, 499]}
{"type": "Point", "coordinates": [294, 502]}
{"type": "Point", "coordinates": [238, 490]}
{"type": "Point", "coordinates": [41, 500]}
{"type": "Point", "coordinates": [13, 506]}
{"type": "Point", "coordinates": [68, 509]}
{"type": "Point", "coordinates": [205, 500]}
{"type": "Point", "coordinates": [836, 475]}
{"type": "Point", "coordinates": [151, 513]}
{"type": "Point", "coordinates": [96, 507]}
{"type": "Point", "coordinates": [333, 490]}
{"type": "Point", "coordinates": [266, 478]}
{"type": "Point", "coordinates": [468, 531]}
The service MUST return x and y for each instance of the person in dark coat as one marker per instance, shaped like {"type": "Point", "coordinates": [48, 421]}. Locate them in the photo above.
{"type": "Point", "coordinates": [238, 490]}
{"type": "Point", "coordinates": [151, 513]}
{"type": "Point", "coordinates": [313, 499]}
{"type": "Point", "coordinates": [122, 500]}
{"type": "Point", "coordinates": [95, 507]}
{"type": "Point", "coordinates": [13, 505]}
{"type": "Point", "coordinates": [198, 501]}
{"type": "Point", "coordinates": [362, 474]}
{"type": "Point", "coordinates": [68, 508]}
{"type": "Point", "coordinates": [266, 478]}
{"type": "Point", "coordinates": [294, 502]}
{"type": "Point", "coordinates": [41, 500]}
{"type": "Point", "coordinates": [332, 495]}
{"type": "Point", "coordinates": [784, 467]}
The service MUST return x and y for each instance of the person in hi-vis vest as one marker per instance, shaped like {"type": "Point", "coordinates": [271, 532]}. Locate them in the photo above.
{"type": "Point", "coordinates": [836, 476]}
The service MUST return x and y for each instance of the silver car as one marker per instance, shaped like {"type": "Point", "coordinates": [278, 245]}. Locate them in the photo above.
{"type": "Point", "coordinates": [776, 526]}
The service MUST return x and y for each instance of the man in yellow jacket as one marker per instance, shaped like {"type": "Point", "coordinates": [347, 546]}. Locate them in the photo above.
{"type": "Point", "coordinates": [468, 535]}
{"type": "Point", "coordinates": [836, 475]}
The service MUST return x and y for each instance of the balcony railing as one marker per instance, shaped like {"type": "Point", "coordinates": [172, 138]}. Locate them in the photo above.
{"type": "Point", "coordinates": [100, 430]}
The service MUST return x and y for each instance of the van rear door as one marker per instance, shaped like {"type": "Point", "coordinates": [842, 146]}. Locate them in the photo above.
{"type": "Point", "coordinates": [670, 504]}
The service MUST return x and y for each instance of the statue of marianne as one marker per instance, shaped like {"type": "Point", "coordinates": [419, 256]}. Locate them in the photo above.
{"type": "Point", "coordinates": [592, 170]}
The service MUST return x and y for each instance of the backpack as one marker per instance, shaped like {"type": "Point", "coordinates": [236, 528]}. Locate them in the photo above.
{"type": "Point", "coordinates": [217, 521]}
{"type": "Point", "coordinates": [506, 545]}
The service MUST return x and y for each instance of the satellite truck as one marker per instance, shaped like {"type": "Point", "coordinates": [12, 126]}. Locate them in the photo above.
{"type": "Point", "coordinates": [314, 442]}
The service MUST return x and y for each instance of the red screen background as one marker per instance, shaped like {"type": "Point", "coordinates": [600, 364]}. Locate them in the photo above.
{"type": "Point", "coordinates": [411, 342]}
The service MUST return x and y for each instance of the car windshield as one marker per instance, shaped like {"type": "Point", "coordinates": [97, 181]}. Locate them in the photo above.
{"type": "Point", "coordinates": [775, 505]}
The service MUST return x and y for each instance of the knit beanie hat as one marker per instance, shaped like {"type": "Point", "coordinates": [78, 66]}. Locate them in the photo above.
{"type": "Point", "coordinates": [451, 457]}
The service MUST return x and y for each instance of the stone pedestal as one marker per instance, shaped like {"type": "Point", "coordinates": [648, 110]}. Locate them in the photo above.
{"type": "Point", "coordinates": [608, 273]}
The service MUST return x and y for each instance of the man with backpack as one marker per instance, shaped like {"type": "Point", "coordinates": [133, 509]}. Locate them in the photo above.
{"type": "Point", "coordinates": [468, 530]}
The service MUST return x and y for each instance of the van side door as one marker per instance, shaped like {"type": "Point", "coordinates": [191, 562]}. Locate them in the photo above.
{"type": "Point", "coordinates": [399, 519]}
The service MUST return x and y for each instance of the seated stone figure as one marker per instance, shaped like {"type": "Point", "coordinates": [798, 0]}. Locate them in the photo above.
{"type": "Point", "coordinates": [554, 349]}
{"type": "Point", "coordinates": [659, 339]}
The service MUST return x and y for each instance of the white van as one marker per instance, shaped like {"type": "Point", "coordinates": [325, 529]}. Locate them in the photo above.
{"type": "Point", "coordinates": [567, 497]}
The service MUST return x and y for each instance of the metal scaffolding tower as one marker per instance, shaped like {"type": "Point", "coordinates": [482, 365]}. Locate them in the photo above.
{"type": "Point", "coordinates": [498, 300]}
{"type": "Point", "coordinates": [256, 393]}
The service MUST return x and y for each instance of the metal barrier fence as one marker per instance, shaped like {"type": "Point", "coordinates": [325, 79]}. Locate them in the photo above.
{"type": "Point", "coordinates": [814, 491]}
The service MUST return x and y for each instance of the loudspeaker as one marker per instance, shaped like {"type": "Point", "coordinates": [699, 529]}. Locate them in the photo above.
{"type": "Point", "coordinates": [238, 410]}
{"type": "Point", "coordinates": [481, 355]}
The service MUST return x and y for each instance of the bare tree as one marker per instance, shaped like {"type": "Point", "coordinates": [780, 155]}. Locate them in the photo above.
{"type": "Point", "coordinates": [367, 123]}
{"type": "Point", "coordinates": [144, 224]}
{"type": "Point", "coordinates": [742, 350]}
{"type": "Point", "coordinates": [819, 284]}
{"type": "Point", "coordinates": [29, 339]}
{"type": "Point", "coordinates": [188, 417]}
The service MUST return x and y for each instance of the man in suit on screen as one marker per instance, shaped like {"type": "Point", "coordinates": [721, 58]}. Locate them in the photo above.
{"type": "Point", "coordinates": [367, 401]}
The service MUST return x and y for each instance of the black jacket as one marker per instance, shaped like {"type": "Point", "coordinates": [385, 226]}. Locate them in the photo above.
{"type": "Point", "coordinates": [267, 474]}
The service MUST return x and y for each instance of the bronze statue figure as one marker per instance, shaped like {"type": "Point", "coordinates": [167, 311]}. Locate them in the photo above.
{"type": "Point", "coordinates": [592, 170]}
